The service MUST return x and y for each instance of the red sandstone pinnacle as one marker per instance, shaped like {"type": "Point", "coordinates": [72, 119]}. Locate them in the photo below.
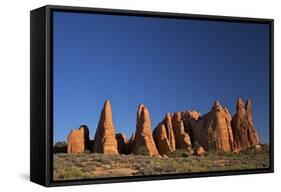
{"type": "Point", "coordinates": [143, 134]}
{"type": "Point", "coordinates": [244, 132]}
{"type": "Point", "coordinates": [161, 140]}
{"type": "Point", "coordinates": [105, 141]}
{"type": "Point", "coordinates": [213, 130]}
{"type": "Point", "coordinates": [181, 137]}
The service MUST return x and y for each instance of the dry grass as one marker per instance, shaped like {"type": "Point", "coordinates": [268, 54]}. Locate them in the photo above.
{"type": "Point", "coordinates": [92, 165]}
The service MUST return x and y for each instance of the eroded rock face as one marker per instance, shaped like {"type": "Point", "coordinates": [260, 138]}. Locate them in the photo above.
{"type": "Point", "coordinates": [143, 134]}
{"type": "Point", "coordinates": [244, 133]}
{"type": "Point", "coordinates": [161, 139]}
{"type": "Point", "coordinates": [199, 151]}
{"type": "Point", "coordinates": [213, 130]}
{"type": "Point", "coordinates": [188, 118]}
{"type": "Point", "coordinates": [219, 129]}
{"type": "Point", "coordinates": [181, 137]}
{"type": "Point", "coordinates": [131, 143]}
{"type": "Point", "coordinates": [105, 141]}
{"type": "Point", "coordinates": [75, 141]}
{"type": "Point", "coordinates": [164, 136]}
{"type": "Point", "coordinates": [122, 143]}
{"type": "Point", "coordinates": [193, 114]}
{"type": "Point", "coordinates": [86, 137]}
{"type": "Point", "coordinates": [170, 131]}
{"type": "Point", "coordinates": [197, 127]}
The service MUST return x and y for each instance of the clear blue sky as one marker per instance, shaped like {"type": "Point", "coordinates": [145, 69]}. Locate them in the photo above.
{"type": "Point", "coordinates": [167, 64]}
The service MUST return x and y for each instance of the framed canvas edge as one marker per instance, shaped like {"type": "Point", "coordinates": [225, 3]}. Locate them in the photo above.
{"type": "Point", "coordinates": [49, 78]}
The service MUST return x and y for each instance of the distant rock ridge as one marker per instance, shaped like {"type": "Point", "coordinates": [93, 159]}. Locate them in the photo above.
{"type": "Point", "coordinates": [185, 130]}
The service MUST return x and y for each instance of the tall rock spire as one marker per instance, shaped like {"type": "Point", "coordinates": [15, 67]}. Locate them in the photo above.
{"type": "Point", "coordinates": [244, 132]}
{"type": "Point", "coordinates": [143, 134]}
{"type": "Point", "coordinates": [170, 130]}
{"type": "Point", "coordinates": [105, 141]}
{"type": "Point", "coordinates": [181, 137]}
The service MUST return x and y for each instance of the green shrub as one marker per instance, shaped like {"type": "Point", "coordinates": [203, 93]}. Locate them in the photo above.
{"type": "Point", "coordinates": [146, 171]}
{"type": "Point", "coordinates": [178, 153]}
{"type": "Point", "coordinates": [72, 173]}
{"type": "Point", "coordinates": [87, 151]}
{"type": "Point", "coordinates": [142, 151]}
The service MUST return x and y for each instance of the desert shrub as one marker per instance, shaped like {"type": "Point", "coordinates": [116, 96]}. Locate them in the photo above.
{"type": "Point", "coordinates": [252, 151]}
{"type": "Point", "coordinates": [106, 160]}
{"type": "Point", "coordinates": [137, 166]}
{"type": "Point", "coordinates": [77, 162]}
{"type": "Point", "coordinates": [167, 168]}
{"type": "Point", "coordinates": [142, 151]}
{"type": "Point", "coordinates": [178, 153]}
{"type": "Point", "coordinates": [117, 158]}
{"type": "Point", "coordinates": [146, 171]}
{"type": "Point", "coordinates": [72, 173]}
{"type": "Point", "coordinates": [101, 158]}
{"type": "Point", "coordinates": [226, 153]}
{"type": "Point", "coordinates": [83, 160]}
{"type": "Point", "coordinates": [88, 169]}
{"type": "Point", "coordinates": [213, 152]}
{"type": "Point", "coordinates": [87, 151]}
{"type": "Point", "coordinates": [97, 164]}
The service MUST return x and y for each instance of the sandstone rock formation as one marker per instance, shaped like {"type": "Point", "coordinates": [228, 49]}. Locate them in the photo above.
{"type": "Point", "coordinates": [170, 131]}
{"type": "Point", "coordinates": [105, 141]}
{"type": "Point", "coordinates": [122, 143]}
{"type": "Point", "coordinates": [197, 128]}
{"type": "Point", "coordinates": [213, 130]}
{"type": "Point", "coordinates": [164, 136]}
{"type": "Point", "coordinates": [76, 141]}
{"type": "Point", "coordinates": [87, 141]}
{"type": "Point", "coordinates": [181, 137]}
{"type": "Point", "coordinates": [188, 118]}
{"type": "Point", "coordinates": [143, 134]}
{"type": "Point", "coordinates": [244, 132]}
{"type": "Point", "coordinates": [131, 143]}
{"type": "Point", "coordinates": [218, 124]}
{"type": "Point", "coordinates": [161, 139]}
{"type": "Point", "coordinates": [199, 151]}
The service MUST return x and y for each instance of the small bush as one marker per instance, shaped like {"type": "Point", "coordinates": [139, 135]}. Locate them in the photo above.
{"type": "Point", "coordinates": [72, 173]}
{"type": "Point", "coordinates": [146, 171]}
{"type": "Point", "coordinates": [88, 169]}
{"type": "Point", "coordinates": [87, 151]}
{"type": "Point", "coordinates": [142, 151]}
{"type": "Point", "coordinates": [178, 153]}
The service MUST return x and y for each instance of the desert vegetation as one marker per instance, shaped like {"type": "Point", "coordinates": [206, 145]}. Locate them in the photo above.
{"type": "Point", "coordinates": [97, 165]}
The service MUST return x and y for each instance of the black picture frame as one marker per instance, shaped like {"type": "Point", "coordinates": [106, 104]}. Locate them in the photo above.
{"type": "Point", "coordinates": [41, 101]}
